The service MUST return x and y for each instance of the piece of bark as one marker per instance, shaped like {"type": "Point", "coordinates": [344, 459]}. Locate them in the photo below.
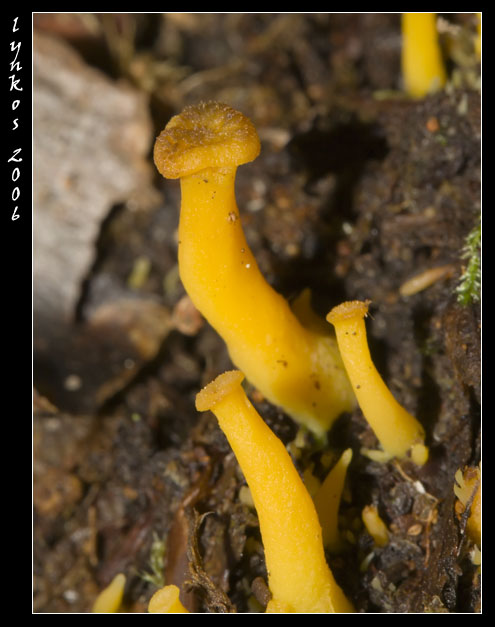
{"type": "Point", "coordinates": [91, 152]}
{"type": "Point", "coordinates": [91, 137]}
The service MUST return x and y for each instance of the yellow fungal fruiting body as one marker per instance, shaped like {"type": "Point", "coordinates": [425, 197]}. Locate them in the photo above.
{"type": "Point", "coordinates": [292, 366]}
{"type": "Point", "coordinates": [477, 41]}
{"type": "Point", "coordinates": [166, 601]}
{"type": "Point", "coordinates": [422, 64]}
{"type": "Point", "coordinates": [474, 521]}
{"type": "Point", "coordinates": [110, 599]}
{"type": "Point", "coordinates": [327, 501]}
{"type": "Point", "coordinates": [395, 428]}
{"type": "Point", "coordinates": [468, 490]}
{"type": "Point", "coordinates": [375, 525]}
{"type": "Point", "coordinates": [298, 575]}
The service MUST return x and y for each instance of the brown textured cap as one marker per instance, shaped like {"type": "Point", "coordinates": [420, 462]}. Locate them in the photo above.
{"type": "Point", "coordinates": [207, 135]}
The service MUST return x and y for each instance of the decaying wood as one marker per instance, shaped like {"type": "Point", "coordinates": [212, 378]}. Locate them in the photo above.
{"type": "Point", "coordinates": [91, 139]}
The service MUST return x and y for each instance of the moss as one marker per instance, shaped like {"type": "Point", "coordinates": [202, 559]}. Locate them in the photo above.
{"type": "Point", "coordinates": [156, 563]}
{"type": "Point", "coordinates": [469, 289]}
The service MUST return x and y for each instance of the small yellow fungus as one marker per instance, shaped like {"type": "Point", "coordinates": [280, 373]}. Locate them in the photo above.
{"type": "Point", "coordinates": [399, 433]}
{"type": "Point", "coordinates": [291, 365]}
{"type": "Point", "coordinates": [110, 599]}
{"type": "Point", "coordinates": [327, 501]}
{"type": "Point", "coordinates": [422, 63]}
{"type": "Point", "coordinates": [298, 575]}
{"type": "Point", "coordinates": [166, 601]}
{"type": "Point", "coordinates": [312, 483]}
{"type": "Point", "coordinates": [375, 525]}
{"type": "Point", "coordinates": [468, 490]}
{"type": "Point", "coordinates": [477, 41]}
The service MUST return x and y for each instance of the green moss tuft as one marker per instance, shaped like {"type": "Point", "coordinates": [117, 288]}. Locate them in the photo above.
{"type": "Point", "coordinates": [469, 289]}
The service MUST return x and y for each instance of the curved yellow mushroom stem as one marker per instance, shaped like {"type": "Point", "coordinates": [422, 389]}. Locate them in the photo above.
{"type": "Point", "coordinates": [166, 601]}
{"type": "Point", "coordinates": [298, 575]}
{"type": "Point", "coordinates": [292, 366]}
{"type": "Point", "coordinates": [110, 599]}
{"type": "Point", "coordinates": [398, 432]}
{"type": "Point", "coordinates": [327, 501]}
{"type": "Point", "coordinates": [422, 64]}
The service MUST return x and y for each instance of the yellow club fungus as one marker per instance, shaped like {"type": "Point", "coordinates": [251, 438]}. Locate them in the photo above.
{"type": "Point", "coordinates": [327, 501]}
{"type": "Point", "coordinates": [166, 601]}
{"type": "Point", "coordinates": [468, 491]}
{"type": "Point", "coordinates": [399, 433]}
{"type": "Point", "coordinates": [292, 366]}
{"type": "Point", "coordinates": [422, 64]}
{"type": "Point", "coordinates": [110, 599]}
{"type": "Point", "coordinates": [477, 41]}
{"type": "Point", "coordinates": [375, 525]}
{"type": "Point", "coordinates": [299, 578]}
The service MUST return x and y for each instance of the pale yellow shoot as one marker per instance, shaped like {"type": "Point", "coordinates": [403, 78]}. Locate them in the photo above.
{"type": "Point", "coordinates": [298, 575]}
{"type": "Point", "coordinates": [110, 599]}
{"type": "Point", "coordinates": [423, 68]}
{"type": "Point", "coordinates": [166, 601]}
{"type": "Point", "coordinates": [375, 525]}
{"type": "Point", "coordinates": [397, 430]}
{"type": "Point", "coordinates": [295, 367]}
{"type": "Point", "coordinates": [327, 502]}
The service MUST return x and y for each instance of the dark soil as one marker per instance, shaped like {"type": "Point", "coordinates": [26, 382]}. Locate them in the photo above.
{"type": "Point", "coordinates": [357, 189]}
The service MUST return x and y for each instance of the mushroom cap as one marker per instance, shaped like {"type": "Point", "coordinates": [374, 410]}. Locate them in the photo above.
{"type": "Point", "coordinates": [349, 309]}
{"type": "Point", "coordinates": [218, 389]}
{"type": "Point", "coordinates": [207, 135]}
